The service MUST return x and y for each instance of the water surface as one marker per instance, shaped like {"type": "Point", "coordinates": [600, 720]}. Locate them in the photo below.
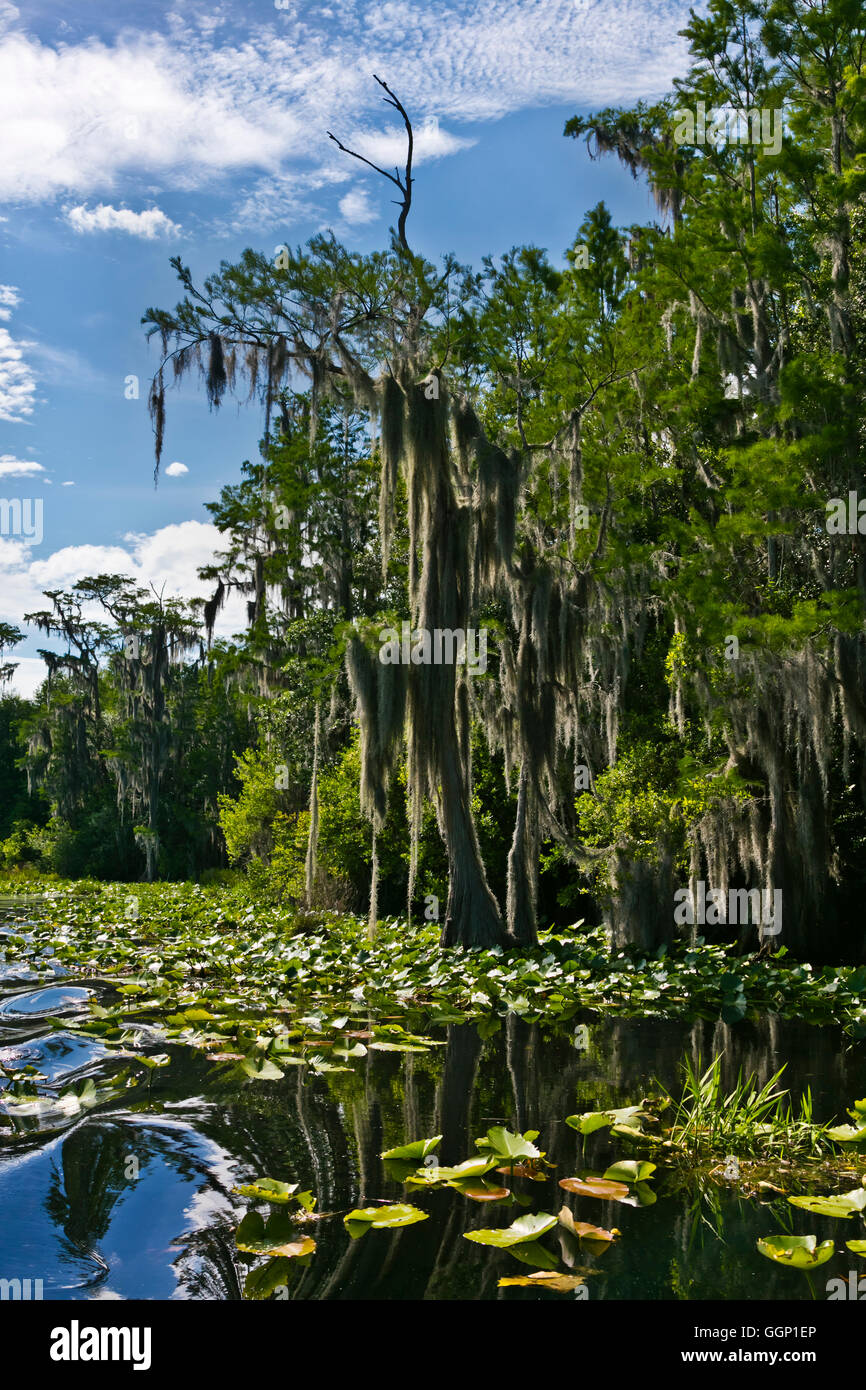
{"type": "Point", "coordinates": [133, 1197]}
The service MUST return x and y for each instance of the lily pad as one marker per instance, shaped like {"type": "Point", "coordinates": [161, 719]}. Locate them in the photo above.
{"type": "Point", "coordinates": [594, 1235]}
{"type": "Point", "coordinates": [592, 1120]}
{"type": "Point", "coordinates": [596, 1187]}
{"type": "Point", "coordinates": [858, 1246]}
{"type": "Point", "coordinates": [557, 1283]}
{"type": "Point", "coordinates": [419, 1148]}
{"type": "Point", "coordinates": [261, 1071]}
{"type": "Point", "coordinates": [507, 1145]}
{"type": "Point", "coordinates": [363, 1219]}
{"type": "Point", "coordinates": [798, 1252]}
{"type": "Point", "coordinates": [532, 1252]}
{"type": "Point", "coordinates": [276, 1236]}
{"type": "Point", "coordinates": [630, 1170]}
{"type": "Point", "coordinates": [843, 1205]}
{"type": "Point", "coordinates": [525, 1228]}
{"type": "Point", "coordinates": [278, 1193]}
{"type": "Point", "coordinates": [480, 1191]}
{"type": "Point", "coordinates": [262, 1282]}
{"type": "Point", "coordinates": [847, 1134]}
{"type": "Point", "coordinates": [470, 1168]}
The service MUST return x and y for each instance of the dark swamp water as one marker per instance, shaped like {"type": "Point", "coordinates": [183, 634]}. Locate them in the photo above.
{"type": "Point", "coordinates": [133, 1197]}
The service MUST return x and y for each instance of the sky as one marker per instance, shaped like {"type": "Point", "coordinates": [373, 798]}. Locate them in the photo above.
{"type": "Point", "coordinates": [134, 132]}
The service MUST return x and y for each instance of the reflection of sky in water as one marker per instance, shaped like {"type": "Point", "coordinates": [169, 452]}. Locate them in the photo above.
{"type": "Point", "coordinates": [54, 1056]}
{"type": "Point", "coordinates": [147, 1218]}
{"type": "Point", "coordinates": [18, 971]}
{"type": "Point", "coordinates": [56, 999]}
{"type": "Point", "coordinates": [68, 1204]}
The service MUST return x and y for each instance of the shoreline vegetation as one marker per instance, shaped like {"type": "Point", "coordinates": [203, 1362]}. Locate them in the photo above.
{"type": "Point", "coordinates": [151, 974]}
{"type": "Point", "coordinates": [191, 947]}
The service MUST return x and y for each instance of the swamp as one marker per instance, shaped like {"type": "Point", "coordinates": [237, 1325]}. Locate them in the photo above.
{"type": "Point", "coordinates": [433, 841]}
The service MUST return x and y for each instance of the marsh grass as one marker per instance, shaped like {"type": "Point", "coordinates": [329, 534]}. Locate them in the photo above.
{"type": "Point", "coordinates": [750, 1121]}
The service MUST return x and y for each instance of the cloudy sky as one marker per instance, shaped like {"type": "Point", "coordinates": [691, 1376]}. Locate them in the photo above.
{"type": "Point", "coordinates": [132, 132]}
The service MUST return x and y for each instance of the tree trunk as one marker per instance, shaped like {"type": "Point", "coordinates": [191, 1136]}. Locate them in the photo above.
{"type": "Point", "coordinates": [439, 756]}
{"type": "Point", "coordinates": [523, 867]}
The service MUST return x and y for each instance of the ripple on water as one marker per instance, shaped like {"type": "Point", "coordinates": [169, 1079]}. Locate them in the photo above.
{"type": "Point", "coordinates": [55, 1056]}
{"type": "Point", "coordinates": [91, 1223]}
{"type": "Point", "coordinates": [42, 1003]}
{"type": "Point", "coordinates": [14, 970]}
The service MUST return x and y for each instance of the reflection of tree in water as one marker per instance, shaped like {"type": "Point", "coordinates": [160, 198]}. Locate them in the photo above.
{"type": "Point", "coordinates": [206, 1268]}
{"type": "Point", "coordinates": [92, 1178]}
{"type": "Point", "coordinates": [528, 1079]}
{"type": "Point", "coordinates": [82, 1193]}
{"type": "Point", "coordinates": [327, 1133]}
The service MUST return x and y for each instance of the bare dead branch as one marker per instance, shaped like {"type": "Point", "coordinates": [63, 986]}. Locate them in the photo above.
{"type": "Point", "coordinates": [404, 184]}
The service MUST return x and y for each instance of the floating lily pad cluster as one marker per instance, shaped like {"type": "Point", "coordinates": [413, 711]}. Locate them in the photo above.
{"type": "Point", "coordinates": [517, 1156]}
{"type": "Point", "coordinates": [804, 1252]}
{"type": "Point", "coordinates": [187, 948]}
{"type": "Point", "coordinates": [275, 1235]}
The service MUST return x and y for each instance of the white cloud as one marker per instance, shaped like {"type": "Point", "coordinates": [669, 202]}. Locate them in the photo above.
{"type": "Point", "coordinates": [29, 675]}
{"type": "Point", "coordinates": [67, 485]}
{"type": "Point", "coordinates": [17, 379]}
{"type": "Point", "coordinates": [12, 467]}
{"type": "Point", "coordinates": [103, 218]}
{"type": "Point", "coordinates": [9, 300]}
{"type": "Point", "coordinates": [180, 110]}
{"type": "Point", "coordinates": [355, 207]}
{"type": "Point", "coordinates": [176, 470]}
{"type": "Point", "coordinates": [387, 148]}
{"type": "Point", "coordinates": [23, 363]}
{"type": "Point", "coordinates": [168, 559]}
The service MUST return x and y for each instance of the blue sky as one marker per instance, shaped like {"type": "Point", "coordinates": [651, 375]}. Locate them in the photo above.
{"type": "Point", "coordinates": [132, 132]}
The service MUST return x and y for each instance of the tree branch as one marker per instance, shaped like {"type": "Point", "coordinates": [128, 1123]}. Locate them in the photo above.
{"type": "Point", "coordinates": [404, 184]}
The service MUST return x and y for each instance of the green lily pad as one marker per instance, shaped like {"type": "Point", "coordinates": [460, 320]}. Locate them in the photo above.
{"type": "Point", "coordinates": [525, 1228]}
{"type": "Point", "coordinates": [532, 1252]}
{"type": "Point", "coordinates": [470, 1168]}
{"type": "Point", "coordinates": [271, 1190]}
{"type": "Point", "coordinates": [630, 1170]}
{"type": "Point", "coordinates": [847, 1134]}
{"type": "Point", "coordinates": [797, 1252]}
{"type": "Point", "coordinates": [592, 1120]}
{"type": "Point", "coordinates": [843, 1205]}
{"type": "Point", "coordinates": [419, 1148]}
{"type": "Point", "coordinates": [363, 1219]}
{"type": "Point", "coordinates": [276, 1236]}
{"type": "Point", "coordinates": [261, 1071]}
{"type": "Point", "coordinates": [507, 1145]}
{"type": "Point", "coordinates": [262, 1282]}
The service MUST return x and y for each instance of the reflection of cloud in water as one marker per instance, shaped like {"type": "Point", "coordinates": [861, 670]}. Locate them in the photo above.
{"type": "Point", "coordinates": [202, 1229]}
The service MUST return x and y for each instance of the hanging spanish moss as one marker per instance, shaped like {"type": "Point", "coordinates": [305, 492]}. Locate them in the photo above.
{"type": "Point", "coordinates": [313, 835]}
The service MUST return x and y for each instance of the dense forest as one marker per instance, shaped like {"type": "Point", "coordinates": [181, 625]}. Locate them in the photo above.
{"type": "Point", "coordinates": [634, 471]}
{"type": "Point", "coordinates": [478, 916]}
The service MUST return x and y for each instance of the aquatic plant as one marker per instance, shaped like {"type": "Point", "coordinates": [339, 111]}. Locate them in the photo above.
{"type": "Point", "coordinates": [798, 1252]}
{"type": "Point", "coordinates": [750, 1119]}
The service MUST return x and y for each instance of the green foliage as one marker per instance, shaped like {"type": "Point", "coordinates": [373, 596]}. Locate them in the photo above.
{"type": "Point", "coordinates": [333, 972]}
{"type": "Point", "coordinates": [797, 1252]}
{"type": "Point", "coordinates": [649, 800]}
{"type": "Point", "coordinates": [693, 386]}
{"type": "Point", "coordinates": [748, 1120]}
